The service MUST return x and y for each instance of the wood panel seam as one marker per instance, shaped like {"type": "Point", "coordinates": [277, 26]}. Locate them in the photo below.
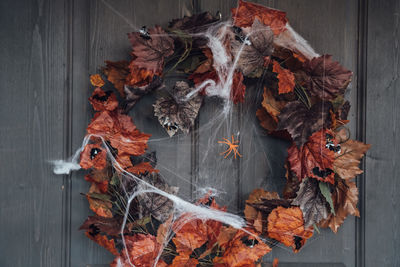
{"type": "Point", "coordinates": [361, 124]}
{"type": "Point", "coordinates": [68, 96]}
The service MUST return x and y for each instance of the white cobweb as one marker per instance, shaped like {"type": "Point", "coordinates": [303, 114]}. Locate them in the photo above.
{"type": "Point", "coordinates": [262, 157]}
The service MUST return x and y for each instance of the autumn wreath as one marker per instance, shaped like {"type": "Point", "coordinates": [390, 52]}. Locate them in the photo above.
{"type": "Point", "coordinates": [138, 216]}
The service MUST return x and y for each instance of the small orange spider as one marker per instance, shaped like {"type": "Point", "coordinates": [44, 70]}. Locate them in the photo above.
{"type": "Point", "coordinates": [233, 145]}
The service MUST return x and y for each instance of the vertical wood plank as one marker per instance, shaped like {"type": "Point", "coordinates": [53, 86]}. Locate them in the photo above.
{"type": "Point", "coordinates": [33, 48]}
{"type": "Point", "coordinates": [382, 198]}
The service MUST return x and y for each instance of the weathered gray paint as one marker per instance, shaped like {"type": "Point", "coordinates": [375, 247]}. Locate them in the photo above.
{"type": "Point", "coordinates": [48, 50]}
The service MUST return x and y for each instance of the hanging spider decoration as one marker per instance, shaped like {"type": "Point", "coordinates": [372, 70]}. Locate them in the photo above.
{"type": "Point", "coordinates": [232, 147]}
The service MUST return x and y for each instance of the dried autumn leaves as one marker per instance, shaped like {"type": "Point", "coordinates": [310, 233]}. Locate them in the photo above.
{"type": "Point", "coordinates": [152, 235]}
{"type": "Point", "coordinates": [303, 101]}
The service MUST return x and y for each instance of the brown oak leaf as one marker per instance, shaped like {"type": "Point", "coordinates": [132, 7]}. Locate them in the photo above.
{"type": "Point", "coordinates": [287, 226]}
{"type": "Point", "coordinates": [252, 56]}
{"type": "Point", "coordinates": [348, 158]}
{"type": "Point", "coordinates": [345, 198]}
{"type": "Point", "coordinates": [314, 159]}
{"type": "Point", "coordinates": [301, 122]}
{"type": "Point", "coordinates": [325, 78]}
{"type": "Point", "coordinates": [246, 12]}
{"type": "Point", "coordinates": [311, 202]}
{"type": "Point", "coordinates": [175, 112]}
{"type": "Point", "coordinates": [286, 78]}
{"type": "Point", "coordinates": [150, 53]}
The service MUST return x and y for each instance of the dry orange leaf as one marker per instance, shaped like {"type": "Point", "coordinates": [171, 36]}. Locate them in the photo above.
{"type": "Point", "coordinates": [348, 159]}
{"type": "Point", "coordinates": [142, 251]}
{"type": "Point", "coordinates": [287, 226]}
{"type": "Point", "coordinates": [193, 234]}
{"type": "Point", "coordinates": [96, 80]}
{"type": "Point", "coordinates": [243, 250]}
{"type": "Point", "coordinates": [93, 156]}
{"type": "Point", "coordinates": [345, 198]}
{"type": "Point", "coordinates": [286, 78]}
{"type": "Point", "coordinates": [246, 12]}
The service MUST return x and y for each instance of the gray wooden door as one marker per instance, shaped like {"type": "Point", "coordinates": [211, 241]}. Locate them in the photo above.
{"type": "Point", "coordinates": [48, 48]}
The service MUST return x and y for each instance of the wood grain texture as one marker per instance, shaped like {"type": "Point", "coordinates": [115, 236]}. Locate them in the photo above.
{"type": "Point", "coordinates": [33, 49]}
{"type": "Point", "coordinates": [382, 126]}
